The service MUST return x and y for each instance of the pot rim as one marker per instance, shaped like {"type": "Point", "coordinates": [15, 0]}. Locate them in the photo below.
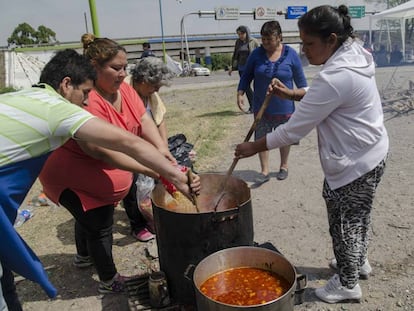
{"type": "Point", "coordinates": [292, 284]}
{"type": "Point", "coordinates": [236, 188]}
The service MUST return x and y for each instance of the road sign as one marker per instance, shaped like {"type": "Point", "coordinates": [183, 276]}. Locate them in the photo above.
{"type": "Point", "coordinates": [357, 11]}
{"type": "Point", "coordinates": [264, 13]}
{"type": "Point", "coordinates": [225, 12]}
{"type": "Point", "coordinates": [294, 12]}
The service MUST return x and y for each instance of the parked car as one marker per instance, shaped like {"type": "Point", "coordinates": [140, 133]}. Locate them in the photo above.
{"type": "Point", "coordinates": [198, 70]}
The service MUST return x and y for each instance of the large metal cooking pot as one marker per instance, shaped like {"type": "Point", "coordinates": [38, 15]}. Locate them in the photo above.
{"type": "Point", "coordinates": [255, 257]}
{"type": "Point", "coordinates": [184, 239]}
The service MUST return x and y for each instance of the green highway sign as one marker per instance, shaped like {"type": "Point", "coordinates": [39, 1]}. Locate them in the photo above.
{"type": "Point", "coordinates": [357, 11]}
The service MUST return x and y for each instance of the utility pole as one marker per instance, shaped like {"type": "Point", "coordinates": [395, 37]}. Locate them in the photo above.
{"type": "Point", "coordinates": [86, 22]}
{"type": "Point", "coordinates": [94, 18]}
{"type": "Point", "coordinates": [164, 57]}
{"type": "Point", "coordinates": [164, 52]}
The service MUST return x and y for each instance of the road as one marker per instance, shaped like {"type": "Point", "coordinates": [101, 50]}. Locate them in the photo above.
{"type": "Point", "coordinates": [387, 78]}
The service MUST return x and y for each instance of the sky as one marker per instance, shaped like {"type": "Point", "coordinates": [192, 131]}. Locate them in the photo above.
{"type": "Point", "coordinates": [141, 18]}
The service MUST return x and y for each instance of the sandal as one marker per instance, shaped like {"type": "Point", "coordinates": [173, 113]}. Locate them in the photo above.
{"type": "Point", "coordinates": [262, 178]}
{"type": "Point", "coordinates": [282, 174]}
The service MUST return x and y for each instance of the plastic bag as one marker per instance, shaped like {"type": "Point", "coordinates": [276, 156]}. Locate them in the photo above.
{"type": "Point", "coordinates": [145, 185]}
{"type": "Point", "coordinates": [181, 150]}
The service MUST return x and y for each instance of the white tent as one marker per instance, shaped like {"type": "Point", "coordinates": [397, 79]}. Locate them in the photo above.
{"type": "Point", "coordinates": [401, 13]}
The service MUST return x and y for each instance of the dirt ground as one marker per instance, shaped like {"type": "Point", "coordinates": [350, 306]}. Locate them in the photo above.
{"type": "Point", "coordinates": [289, 214]}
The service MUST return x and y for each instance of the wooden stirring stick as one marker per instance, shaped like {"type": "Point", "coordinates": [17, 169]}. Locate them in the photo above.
{"type": "Point", "coordinates": [246, 139]}
{"type": "Point", "coordinates": [193, 195]}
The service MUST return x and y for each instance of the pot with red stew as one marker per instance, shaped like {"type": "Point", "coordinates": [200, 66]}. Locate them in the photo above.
{"type": "Point", "coordinates": [247, 278]}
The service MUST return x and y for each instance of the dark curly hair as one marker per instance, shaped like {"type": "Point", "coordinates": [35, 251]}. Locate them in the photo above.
{"type": "Point", "coordinates": [67, 63]}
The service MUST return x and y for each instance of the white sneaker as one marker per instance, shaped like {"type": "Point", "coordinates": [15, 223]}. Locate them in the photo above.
{"type": "Point", "coordinates": [366, 268]}
{"type": "Point", "coordinates": [334, 292]}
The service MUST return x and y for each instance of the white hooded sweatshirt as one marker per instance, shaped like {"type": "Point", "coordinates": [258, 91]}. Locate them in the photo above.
{"type": "Point", "coordinates": [344, 105]}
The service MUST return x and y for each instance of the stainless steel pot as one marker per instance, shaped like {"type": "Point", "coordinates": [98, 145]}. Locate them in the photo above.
{"type": "Point", "coordinates": [245, 256]}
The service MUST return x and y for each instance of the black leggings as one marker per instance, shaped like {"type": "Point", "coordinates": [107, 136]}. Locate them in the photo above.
{"type": "Point", "coordinates": [9, 291]}
{"type": "Point", "coordinates": [93, 233]}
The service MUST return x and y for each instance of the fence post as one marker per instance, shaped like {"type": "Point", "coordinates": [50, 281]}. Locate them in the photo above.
{"type": "Point", "coordinates": [2, 70]}
{"type": "Point", "coordinates": [197, 56]}
{"type": "Point", "coordinates": [207, 56]}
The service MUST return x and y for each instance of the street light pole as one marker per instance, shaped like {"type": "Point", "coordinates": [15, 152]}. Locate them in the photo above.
{"type": "Point", "coordinates": [162, 33]}
{"type": "Point", "coordinates": [185, 55]}
{"type": "Point", "coordinates": [184, 34]}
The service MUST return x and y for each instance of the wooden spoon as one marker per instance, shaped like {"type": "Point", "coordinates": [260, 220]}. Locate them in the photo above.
{"type": "Point", "coordinates": [247, 138]}
{"type": "Point", "coordinates": [193, 195]}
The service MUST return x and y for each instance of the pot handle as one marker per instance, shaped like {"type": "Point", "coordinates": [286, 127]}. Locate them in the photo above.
{"type": "Point", "coordinates": [229, 215]}
{"type": "Point", "coordinates": [301, 283]}
{"type": "Point", "coordinates": [189, 272]}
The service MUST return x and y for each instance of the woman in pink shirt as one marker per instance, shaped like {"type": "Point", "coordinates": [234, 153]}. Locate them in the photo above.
{"type": "Point", "coordinates": [89, 180]}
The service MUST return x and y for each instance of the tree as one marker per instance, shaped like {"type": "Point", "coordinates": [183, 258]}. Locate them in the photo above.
{"type": "Point", "coordinates": [45, 35]}
{"type": "Point", "coordinates": [25, 34]}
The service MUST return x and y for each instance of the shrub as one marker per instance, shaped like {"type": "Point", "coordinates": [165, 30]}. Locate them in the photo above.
{"type": "Point", "coordinates": [220, 61]}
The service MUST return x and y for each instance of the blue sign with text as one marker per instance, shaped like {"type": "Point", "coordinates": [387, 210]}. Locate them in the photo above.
{"type": "Point", "coordinates": [294, 12]}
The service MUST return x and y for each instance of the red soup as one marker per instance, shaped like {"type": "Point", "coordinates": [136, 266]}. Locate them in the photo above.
{"type": "Point", "coordinates": [244, 286]}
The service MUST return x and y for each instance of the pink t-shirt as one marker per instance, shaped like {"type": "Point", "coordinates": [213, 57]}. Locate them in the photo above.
{"type": "Point", "coordinates": [95, 182]}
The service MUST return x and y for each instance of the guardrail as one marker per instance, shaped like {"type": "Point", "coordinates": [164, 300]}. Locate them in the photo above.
{"type": "Point", "coordinates": [198, 46]}
{"type": "Point", "coordinates": [217, 43]}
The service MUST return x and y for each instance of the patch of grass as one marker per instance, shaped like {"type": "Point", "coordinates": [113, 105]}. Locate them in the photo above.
{"type": "Point", "coordinates": [207, 121]}
{"type": "Point", "coordinates": [7, 90]}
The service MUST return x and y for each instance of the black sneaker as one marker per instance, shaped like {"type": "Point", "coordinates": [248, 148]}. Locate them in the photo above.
{"type": "Point", "coordinates": [82, 261]}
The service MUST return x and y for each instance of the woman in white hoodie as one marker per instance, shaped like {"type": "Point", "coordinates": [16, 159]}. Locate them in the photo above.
{"type": "Point", "coordinates": [344, 105]}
